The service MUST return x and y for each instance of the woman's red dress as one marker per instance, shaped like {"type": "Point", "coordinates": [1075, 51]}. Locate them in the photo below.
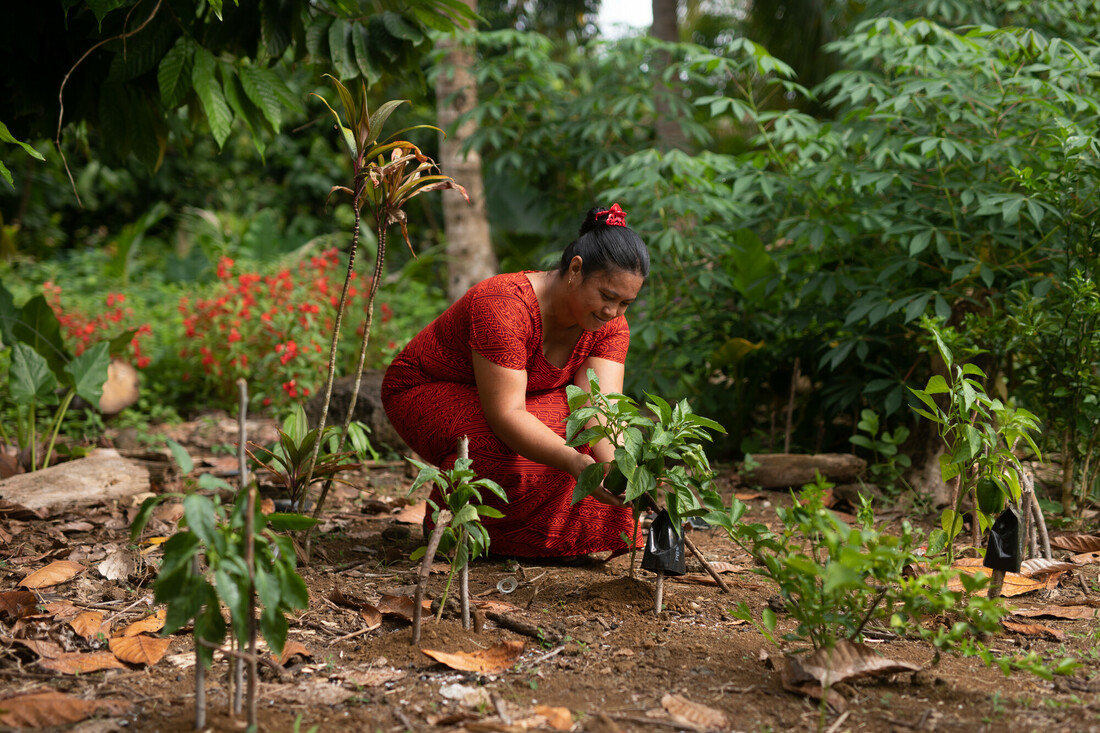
{"type": "Point", "coordinates": [431, 398]}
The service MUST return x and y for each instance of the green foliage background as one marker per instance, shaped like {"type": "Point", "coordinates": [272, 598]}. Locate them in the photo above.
{"type": "Point", "coordinates": [926, 157]}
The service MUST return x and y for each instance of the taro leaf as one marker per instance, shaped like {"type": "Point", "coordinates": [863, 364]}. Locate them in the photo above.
{"type": "Point", "coordinates": [88, 372]}
{"type": "Point", "coordinates": [848, 661]}
{"type": "Point", "coordinates": [493, 660]}
{"type": "Point", "coordinates": [1077, 543]}
{"type": "Point", "coordinates": [8, 316]}
{"type": "Point", "coordinates": [29, 376]}
{"type": "Point", "coordinates": [38, 327]}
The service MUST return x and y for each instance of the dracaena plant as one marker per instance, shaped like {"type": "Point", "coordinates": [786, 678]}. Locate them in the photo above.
{"type": "Point", "coordinates": [385, 174]}
{"type": "Point", "coordinates": [659, 457]}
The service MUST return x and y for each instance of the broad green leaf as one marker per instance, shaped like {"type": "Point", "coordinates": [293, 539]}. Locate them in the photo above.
{"type": "Point", "coordinates": [6, 136]}
{"type": "Point", "coordinates": [29, 377]}
{"type": "Point", "coordinates": [490, 512]}
{"type": "Point", "coordinates": [38, 327]}
{"type": "Point", "coordinates": [588, 482]}
{"type": "Point", "coordinates": [937, 385]}
{"type": "Point", "coordinates": [287, 522]}
{"type": "Point", "coordinates": [466, 514]}
{"type": "Point", "coordinates": [174, 72]}
{"type": "Point", "coordinates": [88, 372]}
{"type": "Point", "coordinates": [209, 90]}
{"type": "Point", "coordinates": [199, 513]}
{"type": "Point", "coordinates": [261, 85]}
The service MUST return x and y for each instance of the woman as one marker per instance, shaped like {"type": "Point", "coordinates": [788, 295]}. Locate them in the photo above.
{"type": "Point", "coordinates": [494, 367]}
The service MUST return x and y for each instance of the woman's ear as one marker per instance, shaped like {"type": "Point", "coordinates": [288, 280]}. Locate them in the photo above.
{"type": "Point", "coordinates": [576, 266]}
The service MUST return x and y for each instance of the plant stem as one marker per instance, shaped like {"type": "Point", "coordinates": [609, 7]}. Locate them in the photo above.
{"type": "Point", "coordinates": [200, 669]}
{"type": "Point", "coordinates": [464, 584]}
{"type": "Point", "coordinates": [250, 563]}
{"type": "Point", "coordinates": [426, 569]}
{"type": "Point", "coordinates": [57, 426]}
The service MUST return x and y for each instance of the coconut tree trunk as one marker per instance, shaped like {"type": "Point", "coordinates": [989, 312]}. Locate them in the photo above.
{"type": "Point", "coordinates": [469, 249]}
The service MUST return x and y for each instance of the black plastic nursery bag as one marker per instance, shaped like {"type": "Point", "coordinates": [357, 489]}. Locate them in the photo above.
{"type": "Point", "coordinates": [1005, 548]}
{"type": "Point", "coordinates": [664, 547]}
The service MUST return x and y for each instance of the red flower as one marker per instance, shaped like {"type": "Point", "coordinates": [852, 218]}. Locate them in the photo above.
{"type": "Point", "coordinates": [225, 265]}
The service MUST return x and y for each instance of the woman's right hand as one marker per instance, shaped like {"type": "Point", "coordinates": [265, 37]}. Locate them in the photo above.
{"type": "Point", "coordinates": [600, 493]}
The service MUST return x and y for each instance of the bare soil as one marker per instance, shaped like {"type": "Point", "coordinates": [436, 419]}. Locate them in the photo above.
{"type": "Point", "coordinates": [603, 656]}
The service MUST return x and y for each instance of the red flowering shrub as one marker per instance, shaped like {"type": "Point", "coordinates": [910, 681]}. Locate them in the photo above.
{"type": "Point", "coordinates": [81, 330]}
{"type": "Point", "coordinates": [273, 330]}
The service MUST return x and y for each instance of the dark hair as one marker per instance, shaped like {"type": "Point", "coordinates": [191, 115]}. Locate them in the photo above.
{"type": "Point", "coordinates": [602, 246]}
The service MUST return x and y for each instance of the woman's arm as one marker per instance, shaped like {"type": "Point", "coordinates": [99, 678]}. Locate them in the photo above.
{"type": "Point", "coordinates": [503, 394]}
{"type": "Point", "coordinates": [611, 374]}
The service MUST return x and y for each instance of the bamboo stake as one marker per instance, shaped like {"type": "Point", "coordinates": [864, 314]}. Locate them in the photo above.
{"type": "Point", "coordinates": [242, 485]}
{"type": "Point", "coordinates": [250, 563]}
{"type": "Point", "coordinates": [659, 600]}
{"type": "Point", "coordinates": [426, 570]}
{"type": "Point", "coordinates": [200, 671]}
{"type": "Point", "coordinates": [464, 574]}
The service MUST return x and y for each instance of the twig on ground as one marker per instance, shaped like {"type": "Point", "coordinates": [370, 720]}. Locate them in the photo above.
{"type": "Point", "coordinates": [525, 628]}
{"type": "Point", "coordinates": [426, 570]}
{"type": "Point", "coordinates": [706, 565]}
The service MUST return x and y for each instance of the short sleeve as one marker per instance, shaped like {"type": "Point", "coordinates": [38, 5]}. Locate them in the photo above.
{"type": "Point", "coordinates": [500, 327]}
{"type": "Point", "coordinates": [612, 341]}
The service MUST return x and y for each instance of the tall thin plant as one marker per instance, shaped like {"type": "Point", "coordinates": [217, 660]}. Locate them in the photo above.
{"type": "Point", "coordinates": [386, 174]}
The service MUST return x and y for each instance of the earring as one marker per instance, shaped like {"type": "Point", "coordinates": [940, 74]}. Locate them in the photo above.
{"type": "Point", "coordinates": [570, 279]}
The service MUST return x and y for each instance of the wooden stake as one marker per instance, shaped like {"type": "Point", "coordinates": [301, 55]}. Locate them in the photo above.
{"type": "Point", "coordinates": [426, 570]}
{"type": "Point", "coordinates": [200, 670]}
{"type": "Point", "coordinates": [706, 565]}
{"type": "Point", "coordinates": [464, 573]}
{"type": "Point", "coordinates": [659, 601]}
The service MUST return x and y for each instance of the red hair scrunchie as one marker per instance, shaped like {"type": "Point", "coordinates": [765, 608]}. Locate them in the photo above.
{"type": "Point", "coordinates": [616, 217]}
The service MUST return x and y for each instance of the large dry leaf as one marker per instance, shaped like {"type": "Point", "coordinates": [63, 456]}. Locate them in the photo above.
{"type": "Point", "coordinates": [291, 648]}
{"type": "Point", "coordinates": [1076, 542]}
{"type": "Point", "coordinates": [82, 663]}
{"type": "Point", "coordinates": [119, 565]}
{"type": "Point", "coordinates": [17, 604]}
{"type": "Point", "coordinates": [12, 510]}
{"type": "Point", "coordinates": [372, 616]}
{"type": "Point", "coordinates": [90, 624]}
{"type": "Point", "coordinates": [1015, 584]}
{"type": "Point", "coordinates": [401, 606]}
{"type": "Point", "coordinates": [412, 514]}
{"type": "Point", "coordinates": [375, 677]}
{"type": "Point", "coordinates": [44, 649]}
{"type": "Point", "coordinates": [846, 661]}
{"type": "Point", "coordinates": [56, 572]}
{"type": "Point", "coordinates": [493, 660]}
{"type": "Point", "coordinates": [749, 496]}
{"type": "Point", "coordinates": [556, 718]}
{"type": "Point", "coordinates": [1086, 558]}
{"type": "Point", "coordinates": [1037, 566]}
{"type": "Point", "coordinates": [1070, 612]}
{"type": "Point", "coordinates": [139, 649]}
{"type": "Point", "coordinates": [311, 693]}
{"type": "Point", "coordinates": [48, 708]}
{"type": "Point", "coordinates": [694, 714]}
{"type": "Point", "coordinates": [1034, 630]}
{"type": "Point", "coordinates": [489, 605]}
{"type": "Point", "coordinates": [148, 625]}
{"type": "Point", "coordinates": [62, 610]}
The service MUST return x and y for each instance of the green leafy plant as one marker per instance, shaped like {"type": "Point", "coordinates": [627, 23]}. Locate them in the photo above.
{"type": "Point", "coordinates": [835, 580]}
{"type": "Point", "coordinates": [463, 538]}
{"type": "Point", "coordinates": [888, 464]}
{"type": "Point", "coordinates": [981, 434]}
{"type": "Point", "coordinates": [659, 457]}
{"type": "Point", "coordinates": [385, 175]}
{"type": "Point", "coordinates": [40, 367]}
{"type": "Point", "coordinates": [289, 460]}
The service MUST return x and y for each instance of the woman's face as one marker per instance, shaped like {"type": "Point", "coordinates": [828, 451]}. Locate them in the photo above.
{"type": "Point", "coordinates": [603, 296]}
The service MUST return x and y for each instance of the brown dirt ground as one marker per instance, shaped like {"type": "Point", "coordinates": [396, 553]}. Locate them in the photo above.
{"type": "Point", "coordinates": [615, 663]}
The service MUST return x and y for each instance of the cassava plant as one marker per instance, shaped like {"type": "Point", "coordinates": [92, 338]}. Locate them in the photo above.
{"type": "Point", "coordinates": [981, 434]}
{"type": "Point", "coordinates": [659, 457]}
{"type": "Point", "coordinates": [386, 174]}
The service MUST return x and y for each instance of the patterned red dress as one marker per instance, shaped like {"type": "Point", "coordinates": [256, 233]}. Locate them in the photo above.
{"type": "Point", "coordinates": [431, 398]}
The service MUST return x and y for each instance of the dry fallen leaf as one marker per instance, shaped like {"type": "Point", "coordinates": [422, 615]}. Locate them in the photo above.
{"type": "Point", "coordinates": [726, 567]}
{"type": "Point", "coordinates": [56, 572]}
{"type": "Point", "coordinates": [495, 659]}
{"type": "Point", "coordinates": [17, 603]}
{"type": "Point", "coordinates": [119, 565]}
{"type": "Point", "coordinates": [312, 693]}
{"type": "Point", "coordinates": [62, 610]}
{"type": "Point", "coordinates": [750, 496]}
{"type": "Point", "coordinates": [149, 625]}
{"type": "Point", "coordinates": [1086, 558]}
{"type": "Point", "coordinates": [44, 649]}
{"type": "Point", "coordinates": [556, 718]}
{"type": "Point", "coordinates": [1034, 630]}
{"type": "Point", "coordinates": [1070, 612]}
{"type": "Point", "coordinates": [291, 648]}
{"type": "Point", "coordinates": [89, 624]}
{"type": "Point", "coordinates": [488, 605]}
{"type": "Point", "coordinates": [694, 714]}
{"type": "Point", "coordinates": [375, 677]}
{"type": "Point", "coordinates": [847, 661]}
{"type": "Point", "coordinates": [412, 514]}
{"type": "Point", "coordinates": [401, 606]}
{"type": "Point", "coordinates": [1037, 566]}
{"type": "Point", "coordinates": [48, 708]}
{"type": "Point", "coordinates": [1076, 542]}
{"type": "Point", "coordinates": [1015, 584]}
{"type": "Point", "coordinates": [140, 649]}
{"type": "Point", "coordinates": [82, 663]}
{"type": "Point", "coordinates": [372, 616]}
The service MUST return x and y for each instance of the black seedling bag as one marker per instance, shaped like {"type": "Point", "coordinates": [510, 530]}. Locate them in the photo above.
{"type": "Point", "coordinates": [1005, 548]}
{"type": "Point", "coordinates": [664, 547]}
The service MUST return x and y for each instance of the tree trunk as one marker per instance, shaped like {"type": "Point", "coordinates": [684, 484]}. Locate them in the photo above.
{"type": "Point", "coordinates": [665, 28]}
{"type": "Point", "coordinates": [469, 248]}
